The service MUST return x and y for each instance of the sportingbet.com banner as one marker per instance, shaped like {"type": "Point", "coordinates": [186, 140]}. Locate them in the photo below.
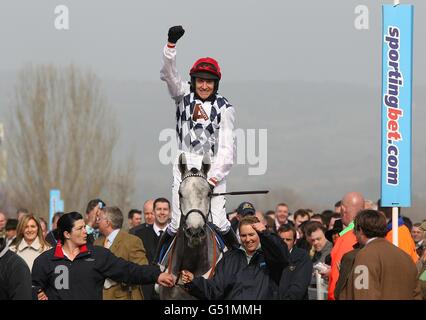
{"type": "Point", "coordinates": [397, 63]}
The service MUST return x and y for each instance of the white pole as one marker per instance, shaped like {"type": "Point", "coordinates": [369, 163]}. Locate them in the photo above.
{"type": "Point", "coordinates": [319, 286]}
{"type": "Point", "coordinates": [395, 226]}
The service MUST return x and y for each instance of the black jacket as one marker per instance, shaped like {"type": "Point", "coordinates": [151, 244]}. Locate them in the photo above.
{"type": "Point", "coordinates": [149, 238]}
{"type": "Point", "coordinates": [15, 276]}
{"type": "Point", "coordinates": [236, 279]}
{"type": "Point", "coordinates": [296, 277]}
{"type": "Point", "coordinates": [83, 278]}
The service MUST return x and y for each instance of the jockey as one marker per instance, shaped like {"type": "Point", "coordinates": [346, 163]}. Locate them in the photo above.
{"type": "Point", "coordinates": [205, 125]}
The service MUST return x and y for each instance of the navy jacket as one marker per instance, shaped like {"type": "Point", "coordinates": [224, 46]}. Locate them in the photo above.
{"type": "Point", "coordinates": [83, 278]}
{"type": "Point", "coordinates": [296, 277]}
{"type": "Point", "coordinates": [236, 279]}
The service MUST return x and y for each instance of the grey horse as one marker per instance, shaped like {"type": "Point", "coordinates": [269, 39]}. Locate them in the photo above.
{"type": "Point", "coordinates": [195, 247]}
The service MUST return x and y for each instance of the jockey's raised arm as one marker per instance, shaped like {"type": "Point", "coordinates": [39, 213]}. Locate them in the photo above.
{"type": "Point", "coordinates": [169, 73]}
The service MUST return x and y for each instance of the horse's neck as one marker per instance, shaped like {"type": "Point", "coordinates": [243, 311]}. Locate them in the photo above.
{"type": "Point", "coordinates": [197, 260]}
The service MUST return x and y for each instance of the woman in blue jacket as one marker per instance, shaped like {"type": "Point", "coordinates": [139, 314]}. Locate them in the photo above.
{"type": "Point", "coordinates": [251, 272]}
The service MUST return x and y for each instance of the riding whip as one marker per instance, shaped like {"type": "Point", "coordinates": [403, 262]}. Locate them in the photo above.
{"type": "Point", "coordinates": [236, 193]}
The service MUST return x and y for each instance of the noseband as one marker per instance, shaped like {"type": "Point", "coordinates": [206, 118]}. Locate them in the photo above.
{"type": "Point", "coordinates": [201, 213]}
{"type": "Point", "coordinates": [194, 211]}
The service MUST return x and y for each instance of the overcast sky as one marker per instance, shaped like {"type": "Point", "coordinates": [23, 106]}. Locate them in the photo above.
{"type": "Point", "coordinates": [252, 39]}
{"type": "Point", "coordinates": [297, 44]}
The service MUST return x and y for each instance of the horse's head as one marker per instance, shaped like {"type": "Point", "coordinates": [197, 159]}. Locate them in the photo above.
{"type": "Point", "coordinates": [194, 199]}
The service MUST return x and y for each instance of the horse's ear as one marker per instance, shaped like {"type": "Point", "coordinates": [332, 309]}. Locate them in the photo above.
{"type": "Point", "coordinates": [182, 164]}
{"type": "Point", "coordinates": [205, 167]}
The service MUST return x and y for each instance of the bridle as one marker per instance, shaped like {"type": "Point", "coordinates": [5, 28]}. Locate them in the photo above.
{"type": "Point", "coordinates": [201, 213]}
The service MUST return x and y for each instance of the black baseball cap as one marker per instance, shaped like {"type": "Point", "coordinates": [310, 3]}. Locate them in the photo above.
{"type": "Point", "coordinates": [245, 209]}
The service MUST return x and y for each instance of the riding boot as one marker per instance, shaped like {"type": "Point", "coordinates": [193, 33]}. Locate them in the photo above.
{"type": "Point", "coordinates": [230, 239]}
{"type": "Point", "coordinates": [163, 244]}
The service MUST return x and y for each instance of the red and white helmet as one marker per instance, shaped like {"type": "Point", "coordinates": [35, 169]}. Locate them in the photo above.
{"type": "Point", "coordinates": [206, 68]}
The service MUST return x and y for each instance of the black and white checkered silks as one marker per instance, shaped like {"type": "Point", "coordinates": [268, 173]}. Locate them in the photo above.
{"type": "Point", "coordinates": [196, 138]}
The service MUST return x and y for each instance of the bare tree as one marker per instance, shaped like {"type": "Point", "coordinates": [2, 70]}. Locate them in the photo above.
{"type": "Point", "coordinates": [120, 191]}
{"type": "Point", "coordinates": [61, 135]}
